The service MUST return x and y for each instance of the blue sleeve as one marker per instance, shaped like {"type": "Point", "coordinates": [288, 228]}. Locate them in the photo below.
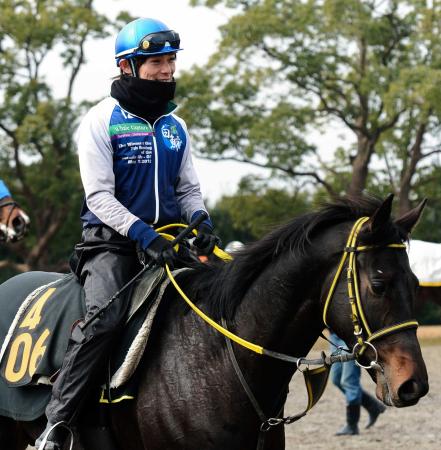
{"type": "Point", "coordinates": [142, 233]}
{"type": "Point", "coordinates": [206, 221]}
{"type": "Point", "coordinates": [4, 191]}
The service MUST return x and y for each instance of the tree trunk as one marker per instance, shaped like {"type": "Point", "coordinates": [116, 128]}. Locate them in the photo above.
{"type": "Point", "coordinates": [44, 240]}
{"type": "Point", "coordinates": [404, 204]}
{"type": "Point", "coordinates": [360, 165]}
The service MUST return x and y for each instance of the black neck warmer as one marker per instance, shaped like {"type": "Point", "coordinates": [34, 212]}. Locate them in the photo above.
{"type": "Point", "coordinates": [144, 98]}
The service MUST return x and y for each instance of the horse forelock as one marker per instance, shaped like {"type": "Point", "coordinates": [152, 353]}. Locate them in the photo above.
{"type": "Point", "coordinates": [223, 286]}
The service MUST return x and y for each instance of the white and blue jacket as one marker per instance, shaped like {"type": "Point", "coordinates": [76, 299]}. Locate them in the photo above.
{"type": "Point", "coordinates": [136, 175]}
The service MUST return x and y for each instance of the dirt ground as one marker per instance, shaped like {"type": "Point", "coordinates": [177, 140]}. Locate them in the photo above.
{"type": "Point", "coordinates": [416, 427]}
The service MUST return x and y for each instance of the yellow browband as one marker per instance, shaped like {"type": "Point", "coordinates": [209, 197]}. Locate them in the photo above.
{"type": "Point", "coordinates": [359, 320]}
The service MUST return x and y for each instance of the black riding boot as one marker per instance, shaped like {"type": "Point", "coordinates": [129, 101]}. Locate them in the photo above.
{"type": "Point", "coordinates": [373, 407]}
{"type": "Point", "coordinates": [352, 418]}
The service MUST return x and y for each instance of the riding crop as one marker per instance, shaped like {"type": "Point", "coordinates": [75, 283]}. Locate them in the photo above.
{"type": "Point", "coordinates": [78, 334]}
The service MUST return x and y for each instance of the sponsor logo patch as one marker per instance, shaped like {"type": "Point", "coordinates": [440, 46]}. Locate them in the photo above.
{"type": "Point", "coordinates": [171, 137]}
{"type": "Point", "coordinates": [129, 129]}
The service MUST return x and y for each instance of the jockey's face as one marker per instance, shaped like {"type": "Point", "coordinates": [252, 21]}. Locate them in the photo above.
{"type": "Point", "coordinates": [154, 68]}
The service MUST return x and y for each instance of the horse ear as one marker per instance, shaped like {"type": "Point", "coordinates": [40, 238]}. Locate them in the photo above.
{"type": "Point", "coordinates": [381, 215]}
{"type": "Point", "coordinates": [409, 220]}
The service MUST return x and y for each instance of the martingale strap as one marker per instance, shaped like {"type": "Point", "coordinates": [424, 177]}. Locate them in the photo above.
{"type": "Point", "coordinates": [359, 320]}
{"type": "Point", "coordinates": [315, 381]}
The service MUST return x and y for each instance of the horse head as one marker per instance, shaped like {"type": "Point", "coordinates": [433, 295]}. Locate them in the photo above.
{"type": "Point", "coordinates": [376, 318]}
{"type": "Point", "coordinates": [14, 222]}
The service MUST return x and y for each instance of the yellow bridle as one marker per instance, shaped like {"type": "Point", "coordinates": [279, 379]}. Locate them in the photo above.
{"type": "Point", "coordinates": [359, 320]}
{"type": "Point", "coordinates": [315, 379]}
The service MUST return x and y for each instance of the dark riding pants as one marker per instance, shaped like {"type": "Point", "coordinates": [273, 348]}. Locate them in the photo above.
{"type": "Point", "coordinates": [106, 261]}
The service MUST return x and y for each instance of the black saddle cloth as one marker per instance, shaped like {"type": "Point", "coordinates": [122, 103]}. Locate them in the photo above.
{"type": "Point", "coordinates": [37, 312]}
{"type": "Point", "coordinates": [34, 332]}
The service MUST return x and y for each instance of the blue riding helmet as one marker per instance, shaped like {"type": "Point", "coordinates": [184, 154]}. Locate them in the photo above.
{"type": "Point", "coordinates": [145, 37]}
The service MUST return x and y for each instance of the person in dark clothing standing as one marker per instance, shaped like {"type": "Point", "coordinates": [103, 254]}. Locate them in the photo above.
{"type": "Point", "coordinates": [137, 173]}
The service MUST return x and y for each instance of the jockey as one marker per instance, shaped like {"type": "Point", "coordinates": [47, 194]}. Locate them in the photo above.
{"type": "Point", "coordinates": [137, 173]}
{"type": "Point", "coordinates": [14, 221]}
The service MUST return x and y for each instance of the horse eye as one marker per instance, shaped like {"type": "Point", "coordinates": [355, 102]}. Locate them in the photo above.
{"type": "Point", "coordinates": [378, 286]}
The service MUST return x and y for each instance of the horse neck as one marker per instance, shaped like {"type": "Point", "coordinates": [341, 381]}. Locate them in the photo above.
{"type": "Point", "coordinates": [281, 312]}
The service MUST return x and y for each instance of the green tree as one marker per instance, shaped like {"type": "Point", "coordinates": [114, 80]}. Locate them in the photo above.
{"type": "Point", "coordinates": [284, 68]}
{"type": "Point", "coordinates": [37, 155]}
{"type": "Point", "coordinates": [255, 209]}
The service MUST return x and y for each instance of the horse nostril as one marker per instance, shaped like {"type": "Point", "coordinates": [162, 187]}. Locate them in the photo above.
{"type": "Point", "coordinates": [411, 391]}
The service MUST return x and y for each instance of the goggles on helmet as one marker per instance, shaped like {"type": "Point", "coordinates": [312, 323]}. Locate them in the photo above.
{"type": "Point", "coordinates": [154, 42]}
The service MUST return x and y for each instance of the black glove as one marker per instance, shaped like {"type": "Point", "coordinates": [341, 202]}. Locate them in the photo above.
{"type": "Point", "coordinates": [161, 252]}
{"type": "Point", "coordinates": [206, 240]}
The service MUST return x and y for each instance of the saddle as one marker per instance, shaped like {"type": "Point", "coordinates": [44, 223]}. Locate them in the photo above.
{"type": "Point", "coordinates": [43, 309]}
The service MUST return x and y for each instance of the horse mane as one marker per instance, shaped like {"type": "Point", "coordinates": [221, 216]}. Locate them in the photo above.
{"type": "Point", "coordinates": [224, 285]}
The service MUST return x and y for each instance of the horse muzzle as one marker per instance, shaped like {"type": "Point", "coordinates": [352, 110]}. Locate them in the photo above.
{"type": "Point", "coordinates": [401, 377]}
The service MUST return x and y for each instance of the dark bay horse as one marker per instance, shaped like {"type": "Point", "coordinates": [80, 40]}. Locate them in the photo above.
{"type": "Point", "coordinates": [273, 294]}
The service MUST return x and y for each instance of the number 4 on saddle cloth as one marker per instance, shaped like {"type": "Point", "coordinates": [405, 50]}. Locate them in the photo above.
{"type": "Point", "coordinates": [37, 313]}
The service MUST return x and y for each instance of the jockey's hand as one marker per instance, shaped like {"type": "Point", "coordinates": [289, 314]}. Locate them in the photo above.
{"type": "Point", "coordinates": [161, 252]}
{"type": "Point", "coordinates": [206, 240]}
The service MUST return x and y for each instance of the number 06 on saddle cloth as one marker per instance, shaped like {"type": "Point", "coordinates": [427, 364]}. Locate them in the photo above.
{"type": "Point", "coordinates": [35, 324]}
{"type": "Point", "coordinates": [37, 312]}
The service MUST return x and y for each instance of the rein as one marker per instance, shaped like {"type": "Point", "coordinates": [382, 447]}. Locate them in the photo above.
{"type": "Point", "coordinates": [328, 360]}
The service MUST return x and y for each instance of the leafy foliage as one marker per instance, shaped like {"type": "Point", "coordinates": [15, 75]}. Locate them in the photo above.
{"type": "Point", "coordinates": [286, 68]}
{"type": "Point", "coordinates": [37, 154]}
{"type": "Point", "coordinates": [256, 208]}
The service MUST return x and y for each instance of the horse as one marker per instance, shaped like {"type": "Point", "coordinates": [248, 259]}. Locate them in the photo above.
{"type": "Point", "coordinates": [278, 292]}
{"type": "Point", "coordinates": [14, 222]}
